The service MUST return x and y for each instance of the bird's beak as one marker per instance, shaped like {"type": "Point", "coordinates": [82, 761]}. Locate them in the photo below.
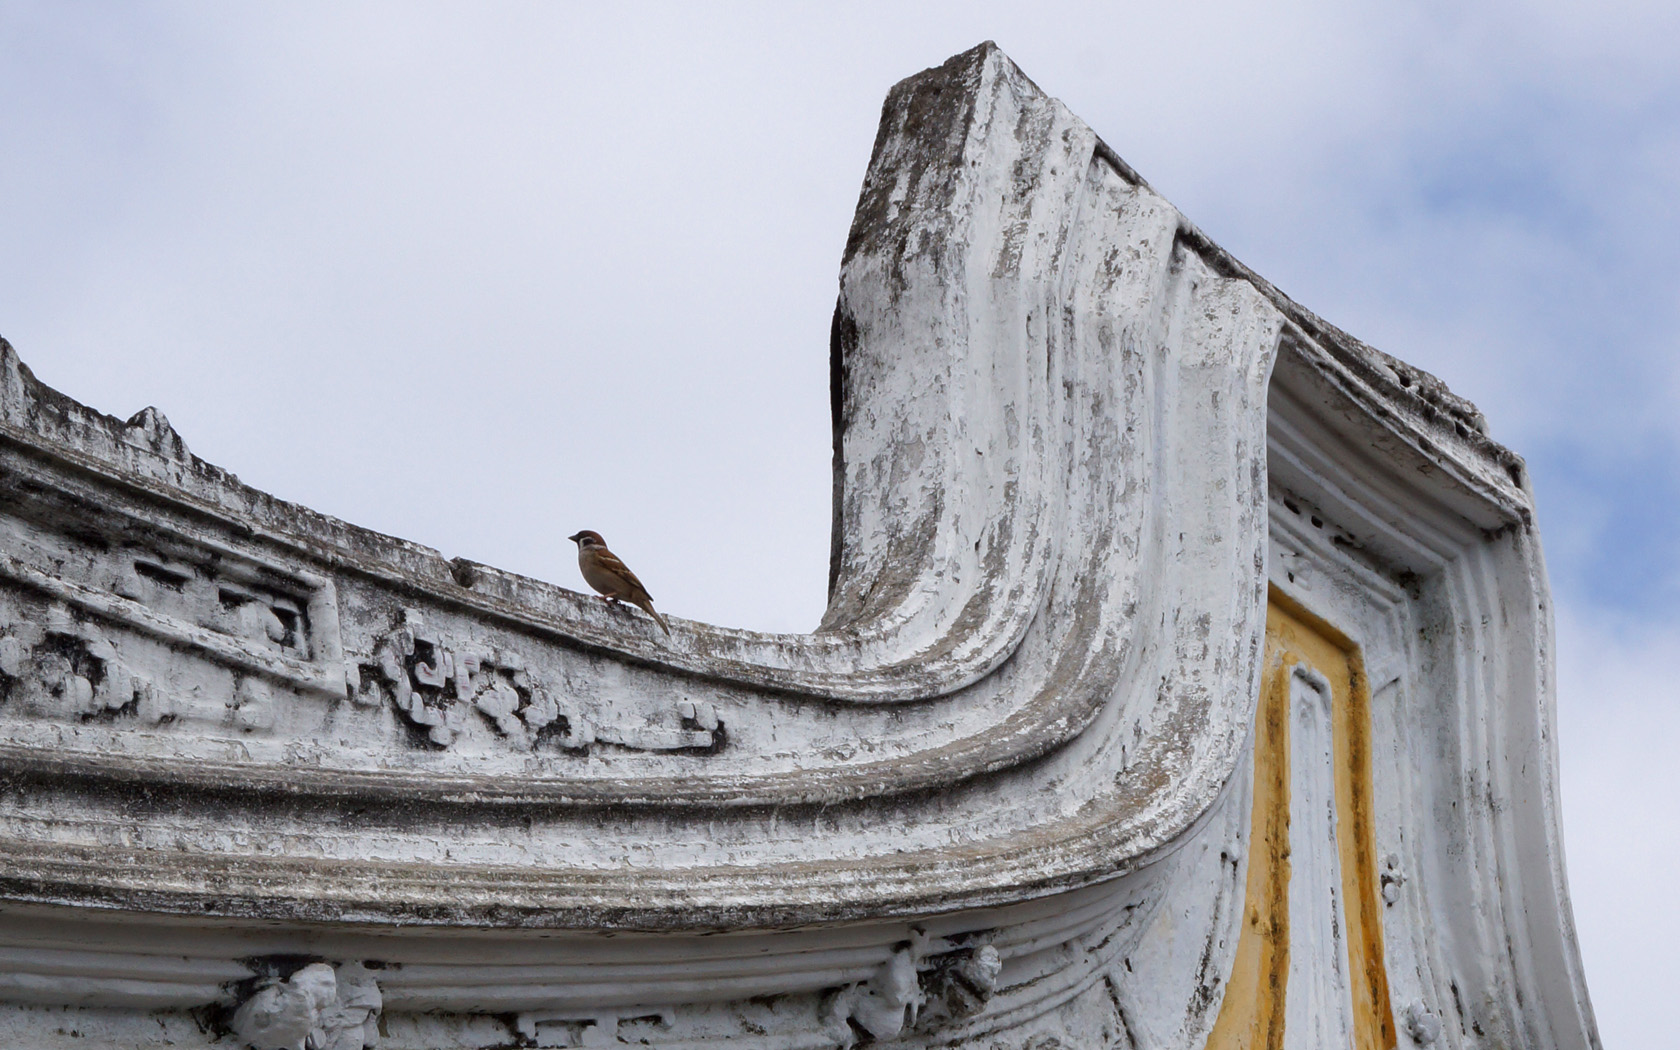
{"type": "Point", "coordinates": [574, 536]}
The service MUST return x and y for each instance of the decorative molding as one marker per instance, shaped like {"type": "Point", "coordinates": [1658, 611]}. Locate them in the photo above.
{"type": "Point", "coordinates": [1003, 797]}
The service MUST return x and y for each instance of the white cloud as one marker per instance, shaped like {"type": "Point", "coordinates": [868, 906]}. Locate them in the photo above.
{"type": "Point", "coordinates": [1618, 733]}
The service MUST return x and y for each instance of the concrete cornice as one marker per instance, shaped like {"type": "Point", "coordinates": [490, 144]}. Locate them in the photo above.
{"type": "Point", "coordinates": [1076, 447]}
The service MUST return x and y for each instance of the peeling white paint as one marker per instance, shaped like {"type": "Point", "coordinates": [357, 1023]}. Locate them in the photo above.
{"type": "Point", "coordinates": [1000, 798]}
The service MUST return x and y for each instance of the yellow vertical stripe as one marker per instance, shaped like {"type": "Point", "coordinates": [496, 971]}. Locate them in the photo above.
{"type": "Point", "coordinates": [1251, 1016]}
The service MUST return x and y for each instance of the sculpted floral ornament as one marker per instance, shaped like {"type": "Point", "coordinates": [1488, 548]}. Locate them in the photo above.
{"type": "Point", "coordinates": [427, 680]}
{"type": "Point", "coordinates": [915, 989]}
{"type": "Point", "coordinates": [440, 687]}
{"type": "Point", "coordinates": [317, 1007]}
{"type": "Point", "coordinates": [65, 668]}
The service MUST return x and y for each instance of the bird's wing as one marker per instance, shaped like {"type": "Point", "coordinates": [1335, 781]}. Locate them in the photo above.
{"type": "Point", "coordinates": [610, 562]}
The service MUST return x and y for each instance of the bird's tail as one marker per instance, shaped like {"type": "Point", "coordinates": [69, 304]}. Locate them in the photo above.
{"type": "Point", "coordinates": [646, 605]}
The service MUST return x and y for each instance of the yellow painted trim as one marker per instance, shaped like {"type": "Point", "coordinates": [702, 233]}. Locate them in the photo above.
{"type": "Point", "coordinates": [1251, 1015]}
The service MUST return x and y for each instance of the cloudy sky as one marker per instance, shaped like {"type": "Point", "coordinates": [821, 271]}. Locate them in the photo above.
{"type": "Point", "coordinates": [483, 275]}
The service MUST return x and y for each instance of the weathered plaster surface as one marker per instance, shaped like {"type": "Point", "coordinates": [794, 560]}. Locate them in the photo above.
{"type": "Point", "coordinates": [270, 779]}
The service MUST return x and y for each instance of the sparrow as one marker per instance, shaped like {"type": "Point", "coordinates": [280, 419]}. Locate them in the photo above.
{"type": "Point", "coordinates": [603, 571]}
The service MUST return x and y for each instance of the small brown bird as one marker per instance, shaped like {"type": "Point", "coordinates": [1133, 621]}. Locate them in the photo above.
{"type": "Point", "coordinates": [603, 571]}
